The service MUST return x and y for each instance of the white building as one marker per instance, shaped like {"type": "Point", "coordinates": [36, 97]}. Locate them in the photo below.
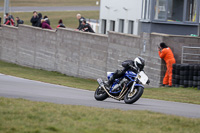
{"type": "Point", "coordinates": [179, 17]}
{"type": "Point", "coordinates": [120, 16]}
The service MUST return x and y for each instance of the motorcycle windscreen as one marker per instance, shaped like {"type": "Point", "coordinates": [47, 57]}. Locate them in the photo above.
{"type": "Point", "coordinates": [142, 77]}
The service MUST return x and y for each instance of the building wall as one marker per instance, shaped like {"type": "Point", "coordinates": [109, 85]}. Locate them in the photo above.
{"type": "Point", "coordinates": [118, 9]}
{"type": "Point", "coordinates": [85, 55]}
{"type": "Point", "coordinates": [169, 28]}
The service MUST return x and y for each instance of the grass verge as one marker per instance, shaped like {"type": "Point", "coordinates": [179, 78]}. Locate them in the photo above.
{"type": "Point", "coordinates": [187, 95]}
{"type": "Point", "coordinates": [23, 116]}
{"type": "Point", "coordinates": [51, 2]}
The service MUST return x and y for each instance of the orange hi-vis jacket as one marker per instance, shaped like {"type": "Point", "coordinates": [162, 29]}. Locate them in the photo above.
{"type": "Point", "coordinates": [166, 54]}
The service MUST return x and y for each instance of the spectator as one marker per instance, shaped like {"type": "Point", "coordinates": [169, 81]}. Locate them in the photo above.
{"type": "Point", "coordinates": [60, 24]}
{"type": "Point", "coordinates": [34, 19]}
{"type": "Point", "coordinates": [39, 24]}
{"type": "Point", "coordinates": [19, 21]}
{"type": "Point", "coordinates": [80, 18]}
{"type": "Point", "coordinates": [86, 27]}
{"type": "Point", "coordinates": [166, 53]}
{"type": "Point", "coordinates": [45, 25]}
{"type": "Point", "coordinates": [47, 19]}
{"type": "Point", "coordinates": [9, 20]}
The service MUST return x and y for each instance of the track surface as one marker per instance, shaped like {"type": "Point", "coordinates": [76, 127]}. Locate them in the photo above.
{"type": "Point", "coordinates": [56, 8]}
{"type": "Point", "coordinates": [14, 87]}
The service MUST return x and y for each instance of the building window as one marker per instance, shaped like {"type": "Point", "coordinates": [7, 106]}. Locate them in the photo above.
{"type": "Point", "coordinates": [146, 9]}
{"type": "Point", "coordinates": [130, 27]}
{"type": "Point", "coordinates": [160, 9]}
{"type": "Point", "coordinates": [112, 25]}
{"type": "Point", "coordinates": [191, 10]}
{"type": "Point", "coordinates": [121, 25]}
{"type": "Point", "coordinates": [175, 10]}
{"type": "Point", "coordinates": [103, 28]}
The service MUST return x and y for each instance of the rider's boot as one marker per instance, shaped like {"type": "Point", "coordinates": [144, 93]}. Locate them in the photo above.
{"type": "Point", "coordinates": [109, 82]}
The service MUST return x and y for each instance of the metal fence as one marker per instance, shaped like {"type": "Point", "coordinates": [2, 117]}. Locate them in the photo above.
{"type": "Point", "coordinates": [190, 55]}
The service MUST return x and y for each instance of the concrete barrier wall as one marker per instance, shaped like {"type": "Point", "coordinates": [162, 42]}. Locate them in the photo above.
{"type": "Point", "coordinates": [80, 54]}
{"type": "Point", "coordinates": [177, 42]}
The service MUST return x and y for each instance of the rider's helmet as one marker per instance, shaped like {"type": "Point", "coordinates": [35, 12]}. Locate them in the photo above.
{"type": "Point", "coordinates": [139, 63]}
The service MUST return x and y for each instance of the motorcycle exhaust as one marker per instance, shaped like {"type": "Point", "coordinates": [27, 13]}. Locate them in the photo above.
{"type": "Point", "coordinates": [101, 83]}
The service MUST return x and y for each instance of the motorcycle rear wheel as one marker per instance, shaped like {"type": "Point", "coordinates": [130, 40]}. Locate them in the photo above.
{"type": "Point", "coordinates": [134, 96]}
{"type": "Point", "coordinates": [100, 94]}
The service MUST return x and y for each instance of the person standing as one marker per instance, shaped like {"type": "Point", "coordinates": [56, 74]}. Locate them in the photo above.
{"type": "Point", "coordinates": [80, 19]}
{"type": "Point", "coordinates": [34, 19]}
{"type": "Point", "coordinates": [39, 24]}
{"type": "Point", "coordinates": [166, 53]}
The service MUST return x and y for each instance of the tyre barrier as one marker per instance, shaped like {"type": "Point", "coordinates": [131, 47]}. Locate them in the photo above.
{"type": "Point", "coordinates": [186, 75]}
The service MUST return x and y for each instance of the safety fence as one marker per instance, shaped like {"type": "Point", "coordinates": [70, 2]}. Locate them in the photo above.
{"type": "Point", "coordinates": [190, 55]}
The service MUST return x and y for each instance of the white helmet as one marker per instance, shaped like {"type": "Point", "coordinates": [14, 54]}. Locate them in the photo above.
{"type": "Point", "coordinates": [139, 63]}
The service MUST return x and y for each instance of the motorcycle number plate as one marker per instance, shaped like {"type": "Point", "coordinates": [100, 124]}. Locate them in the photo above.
{"type": "Point", "coordinates": [143, 77]}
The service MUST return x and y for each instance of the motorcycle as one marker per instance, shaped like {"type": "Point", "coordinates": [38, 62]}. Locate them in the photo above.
{"type": "Point", "coordinates": [128, 88]}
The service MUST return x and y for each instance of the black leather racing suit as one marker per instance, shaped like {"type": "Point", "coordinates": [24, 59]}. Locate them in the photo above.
{"type": "Point", "coordinates": [119, 73]}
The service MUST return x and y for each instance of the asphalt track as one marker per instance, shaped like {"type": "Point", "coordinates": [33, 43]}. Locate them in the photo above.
{"type": "Point", "coordinates": [14, 87]}
{"type": "Point", "coordinates": [56, 8]}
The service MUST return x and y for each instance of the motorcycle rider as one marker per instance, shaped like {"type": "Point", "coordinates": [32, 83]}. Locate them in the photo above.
{"type": "Point", "coordinates": [128, 65]}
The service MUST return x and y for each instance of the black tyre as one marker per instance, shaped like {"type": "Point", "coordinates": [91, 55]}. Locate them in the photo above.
{"type": "Point", "coordinates": [182, 73]}
{"type": "Point", "coordinates": [173, 71]}
{"type": "Point", "coordinates": [178, 72]}
{"type": "Point", "coordinates": [186, 77]}
{"type": "Point", "coordinates": [191, 73]}
{"type": "Point", "coordinates": [195, 78]}
{"type": "Point", "coordinates": [134, 96]}
{"type": "Point", "coordinates": [190, 77]}
{"type": "Point", "coordinates": [191, 67]}
{"type": "Point", "coordinates": [195, 83]}
{"type": "Point", "coordinates": [198, 87]}
{"type": "Point", "coordinates": [178, 66]}
{"type": "Point", "coordinates": [186, 73]}
{"type": "Point", "coordinates": [177, 77]}
{"type": "Point", "coordinates": [100, 94]}
{"type": "Point", "coordinates": [181, 82]}
{"type": "Point", "coordinates": [174, 81]}
{"type": "Point", "coordinates": [174, 66]}
{"type": "Point", "coordinates": [173, 76]}
{"type": "Point", "coordinates": [187, 67]}
{"type": "Point", "coordinates": [195, 73]}
{"type": "Point", "coordinates": [196, 67]}
{"type": "Point", "coordinates": [185, 83]}
{"type": "Point", "coordinates": [182, 67]}
{"type": "Point", "coordinates": [182, 77]}
{"type": "Point", "coordinates": [190, 83]}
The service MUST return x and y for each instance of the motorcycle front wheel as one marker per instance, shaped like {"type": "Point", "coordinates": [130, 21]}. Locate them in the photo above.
{"type": "Point", "coordinates": [130, 98]}
{"type": "Point", "coordinates": [100, 94]}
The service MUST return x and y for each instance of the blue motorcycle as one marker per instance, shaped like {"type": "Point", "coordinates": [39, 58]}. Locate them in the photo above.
{"type": "Point", "coordinates": [128, 88]}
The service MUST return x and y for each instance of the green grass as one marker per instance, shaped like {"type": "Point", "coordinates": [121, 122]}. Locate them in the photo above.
{"type": "Point", "coordinates": [47, 76]}
{"type": "Point", "coordinates": [187, 95]}
{"type": "Point", "coordinates": [51, 2]}
{"type": "Point", "coordinates": [23, 116]}
{"type": "Point", "coordinates": [68, 17]}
